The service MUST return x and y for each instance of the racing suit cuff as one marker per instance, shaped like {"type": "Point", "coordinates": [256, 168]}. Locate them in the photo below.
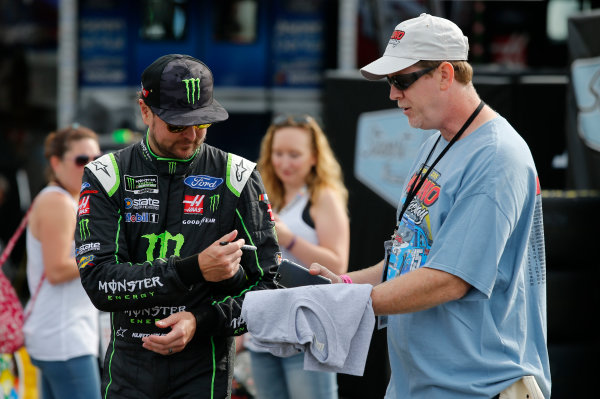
{"type": "Point", "coordinates": [189, 270]}
{"type": "Point", "coordinates": [231, 285]}
{"type": "Point", "coordinates": [206, 319]}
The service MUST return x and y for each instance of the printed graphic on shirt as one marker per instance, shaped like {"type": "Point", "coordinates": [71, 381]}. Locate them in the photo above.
{"type": "Point", "coordinates": [409, 250]}
{"type": "Point", "coordinates": [536, 255]}
{"type": "Point", "coordinates": [427, 196]}
{"type": "Point", "coordinates": [412, 240]}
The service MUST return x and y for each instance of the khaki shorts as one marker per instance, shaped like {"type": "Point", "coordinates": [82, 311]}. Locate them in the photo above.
{"type": "Point", "coordinates": [525, 388]}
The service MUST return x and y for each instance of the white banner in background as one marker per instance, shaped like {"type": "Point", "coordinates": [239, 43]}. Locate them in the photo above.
{"type": "Point", "coordinates": [386, 146]}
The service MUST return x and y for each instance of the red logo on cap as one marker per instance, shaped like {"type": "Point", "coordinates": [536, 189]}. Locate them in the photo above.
{"type": "Point", "coordinates": [145, 92]}
{"type": "Point", "coordinates": [397, 35]}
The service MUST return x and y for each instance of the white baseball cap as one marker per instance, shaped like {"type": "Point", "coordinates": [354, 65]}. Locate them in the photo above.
{"type": "Point", "coordinates": [426, 38]}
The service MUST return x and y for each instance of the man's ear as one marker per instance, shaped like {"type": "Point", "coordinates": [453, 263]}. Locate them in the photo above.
{"type": "Point", "coordinates": [145, 111]}
{"type": "Point", "coordinates": [447, 73]}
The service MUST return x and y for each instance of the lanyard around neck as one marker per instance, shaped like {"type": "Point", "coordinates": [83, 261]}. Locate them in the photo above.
{"type": "Point", "coordinates": [420, 178]}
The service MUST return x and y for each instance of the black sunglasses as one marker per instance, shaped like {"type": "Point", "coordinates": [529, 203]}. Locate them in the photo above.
{"type": "Point", "coordinates": [291, 119]}
{"type": "Point", "coordinates": [179, 129]}
{"type": "Point", "coordinates": [403, 81]}
{"type": "Point", "coordinates": [82, 160]}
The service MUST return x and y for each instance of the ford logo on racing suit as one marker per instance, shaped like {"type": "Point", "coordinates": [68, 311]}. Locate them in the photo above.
{"type": "Point", "coordinates": [202, 182]}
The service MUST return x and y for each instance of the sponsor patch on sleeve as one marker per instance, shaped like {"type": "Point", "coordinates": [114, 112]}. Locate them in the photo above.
{"type": "Point", "coordinates": [238, 172]}
{"type": "Point", "coordinates": [106, 171]}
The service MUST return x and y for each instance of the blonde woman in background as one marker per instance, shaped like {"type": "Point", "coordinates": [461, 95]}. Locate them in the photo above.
{"type": "Point", "coordinates": [304, 184]}
{"type": "Point", "coordinates": [61, 333]}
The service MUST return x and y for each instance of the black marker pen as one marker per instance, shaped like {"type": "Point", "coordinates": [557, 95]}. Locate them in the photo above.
{"type": "Point", "coordinates": [244, 247]}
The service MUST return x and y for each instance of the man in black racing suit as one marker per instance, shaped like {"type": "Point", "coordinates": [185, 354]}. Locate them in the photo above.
{"type": "Point", "coordinates": [158, 243]}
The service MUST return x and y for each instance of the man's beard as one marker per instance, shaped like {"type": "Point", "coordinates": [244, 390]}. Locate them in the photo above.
{"type": "Point", "coordinates": [165, 152]}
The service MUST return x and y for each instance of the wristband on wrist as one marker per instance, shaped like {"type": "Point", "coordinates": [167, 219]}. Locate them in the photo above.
{"type": "Point", "coordinates": [292, 243]}
{"type": "Point", "coordinates": [346, 279]}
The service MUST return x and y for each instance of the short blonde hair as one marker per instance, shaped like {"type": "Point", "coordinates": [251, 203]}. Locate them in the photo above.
{"type": "Point", "coordinates": [463, 72]}
{"type": "Point", "coordinates": [326, 172]}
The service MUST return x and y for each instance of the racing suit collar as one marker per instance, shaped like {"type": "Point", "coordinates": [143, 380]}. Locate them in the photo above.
{"type": "Point", "coordinates": [169, 166]}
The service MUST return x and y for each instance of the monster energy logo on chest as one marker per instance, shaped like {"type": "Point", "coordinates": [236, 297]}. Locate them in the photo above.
{"type": "Point", "coordinates": [172, 166]}
{"type": "Point", "coordinates": [164, 239]}
{"type": "Point", "coordinates": [192, 86]}
{"type": "Point", "coordinates": [214, 202]}
{"type": "Point", "coordinates": [84, 229]}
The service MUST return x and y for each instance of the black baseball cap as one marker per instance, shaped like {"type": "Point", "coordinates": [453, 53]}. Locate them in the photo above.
{"type": "Point", "coordinates": [179, 89]}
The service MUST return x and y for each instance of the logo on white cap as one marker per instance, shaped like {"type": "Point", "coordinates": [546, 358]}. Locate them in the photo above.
{"type": "Point", "coordinates": [396, 36]}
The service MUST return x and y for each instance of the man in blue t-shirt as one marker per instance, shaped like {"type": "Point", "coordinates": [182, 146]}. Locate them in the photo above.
{"type": "Point", "coordinates": [464, 286]}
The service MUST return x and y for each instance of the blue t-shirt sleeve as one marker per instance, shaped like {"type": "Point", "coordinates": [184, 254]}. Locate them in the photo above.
{"type": "Point", "coordinates": [470, 243]}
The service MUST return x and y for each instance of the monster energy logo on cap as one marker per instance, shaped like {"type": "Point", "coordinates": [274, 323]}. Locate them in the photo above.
{"type": "Point", "coordinates": [84, 229]}
{"type": "Point", "coordinates": [179, 89]}
{"type": "Point", "coordinates": [192, 86]}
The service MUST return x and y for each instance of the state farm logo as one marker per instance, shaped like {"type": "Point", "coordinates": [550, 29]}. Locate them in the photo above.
{"type": "Point", "coordinates": [193, 204]}
{"type": "Point", "coordinates": [84, 205]}
{"type": "Point", "coordinates": [141, 203]}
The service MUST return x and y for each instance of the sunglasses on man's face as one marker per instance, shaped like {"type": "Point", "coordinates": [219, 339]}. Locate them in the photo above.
{"type": "Point", "coordinates": [179, 129]}
{"type": "Point", "coordinates": [403, 81]}
{"type": "Point", "coordinates": [82, 160]}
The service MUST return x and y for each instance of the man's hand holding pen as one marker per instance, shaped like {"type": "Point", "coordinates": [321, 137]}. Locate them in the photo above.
{"type": "Point", "coordinates": [221, 260]}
